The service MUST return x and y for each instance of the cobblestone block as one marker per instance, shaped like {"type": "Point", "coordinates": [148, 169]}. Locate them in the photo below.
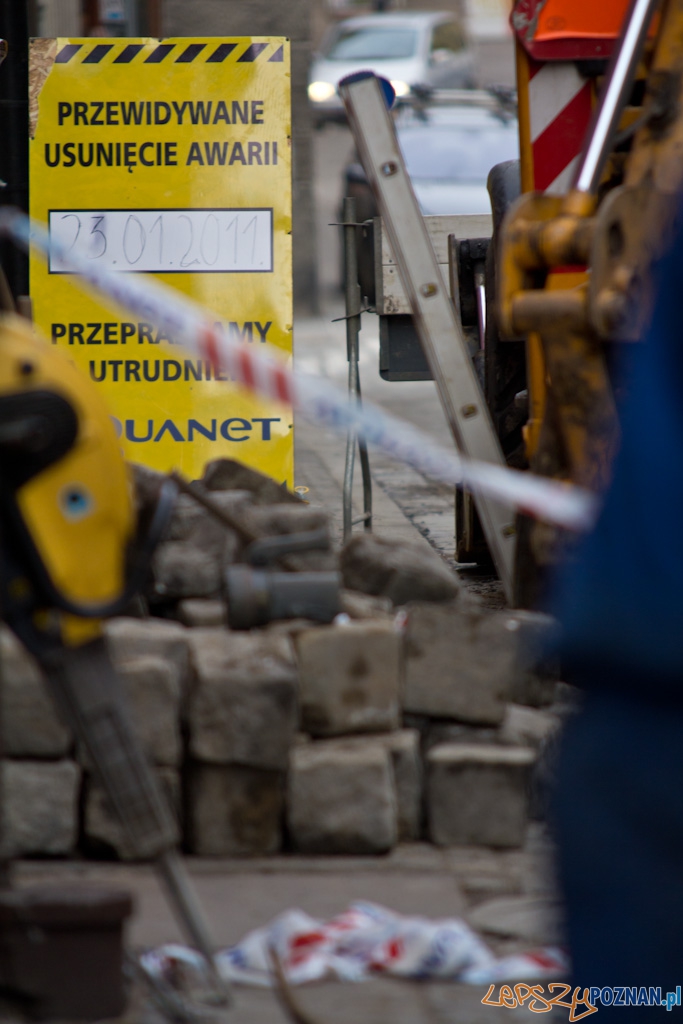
{"type": "Point", "coordinates": [536, 669]}
{"type": "Point", "coordinates": [478, 794]}
{"type": "Point", "coordinates": [234, 811]}
{"type": "Point", "coordinates": [400, 570]}
{"type": "Point", "coordinates": [280, 520]}
{"type": "Point", "coordinates": [128, 639]}
{"type": "Point", "coordinates": [341, 799]}
{"type": "Point", "coordinates": [30, 724]}
{"type": "Point", "coordinates": [403, 747]}
{"type": "Point", "coordinates": [243, 707]}
{"type": "Point", "coordinates": [530, 727]}
{"type": "Point", "coordinates": [40, 807]}
{"type": "Point", "coordinates": [152, 686]}
{"type": "Point", "coordinates": [229, 475]}
{"type": "Point", "coordinates": [349, 678]}
{"type": "Point", "coordinates": [364, 606]}
{"type": "Point", "coordinates": [200, 612]}
{"type": "Point", "coordinates": [193, 558]}
{"type": "Point", "coordinates": [288, 627]}
{"type": "Point", "coordinates": [101, 826]}
{"type": "Point", "coordinates": [438, 732]}
{"type": "Point", "coordinates": [458, 663]}
{"type": "Point", "coordinates": [183, 570]}
{"type": "Point", "coordinates": [190, 519]}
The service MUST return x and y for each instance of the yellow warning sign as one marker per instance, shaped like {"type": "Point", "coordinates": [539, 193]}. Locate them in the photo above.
{"type": "Point", "coordinates": [169, 158]}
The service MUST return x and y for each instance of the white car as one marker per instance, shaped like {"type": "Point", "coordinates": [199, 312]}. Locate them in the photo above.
{"type": "Point", "coordinates": [411, 48]}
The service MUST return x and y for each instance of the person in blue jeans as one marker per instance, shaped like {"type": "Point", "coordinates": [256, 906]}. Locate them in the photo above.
{"type": "Point", "coordinates": [618, 806]}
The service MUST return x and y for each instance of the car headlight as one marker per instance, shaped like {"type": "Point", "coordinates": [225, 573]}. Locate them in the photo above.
{"type": "Point", "coordinates": [400, 88]}
{"type": "Point", "coordinates": [318, 92]}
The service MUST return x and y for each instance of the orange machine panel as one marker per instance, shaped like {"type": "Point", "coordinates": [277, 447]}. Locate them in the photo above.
{"type": "Point", "coordinates": [568, 29]}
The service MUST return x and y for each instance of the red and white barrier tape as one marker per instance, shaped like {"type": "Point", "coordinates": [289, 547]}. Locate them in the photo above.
{"type": "Point", "coordinates": [263, 372]}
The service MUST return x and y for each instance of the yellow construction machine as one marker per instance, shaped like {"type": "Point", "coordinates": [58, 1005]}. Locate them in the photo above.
{"type": "Point", "coordinates": [574, 262]}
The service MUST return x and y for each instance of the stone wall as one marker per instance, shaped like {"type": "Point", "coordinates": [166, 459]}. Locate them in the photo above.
{"type": "Point", "coordinates": [393, 723]}
{"type": "Point", "coordinates": [298, 737]}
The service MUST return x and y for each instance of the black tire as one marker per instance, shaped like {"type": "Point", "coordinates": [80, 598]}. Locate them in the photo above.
{"type": "Point", "coordinates": [505, 361]}
{"type": "Point", "coordinates": [504, 375]}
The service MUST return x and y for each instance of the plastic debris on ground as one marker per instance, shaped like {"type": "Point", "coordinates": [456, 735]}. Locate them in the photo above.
{"type": "Point", "coordinates": [365, 941]}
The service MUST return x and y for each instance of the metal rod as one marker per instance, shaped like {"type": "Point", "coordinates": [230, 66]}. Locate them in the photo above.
{"type": "Point", "coordinates": [614, 95]}
{"type": "Point", "coordinates": [191, 916]}
{"type": "Point", "coordinates": [365, 470]}
{"type": "Point", "coordinates": [243, 531]}
{"type": "Point", "coordinates": [235, 523]}
{"type": "Point", "coordinates": [480, 290]}
{"type": "Point", "coordinates": [348, 484]}
{"type": "Point", "coordinates": [352, 296]}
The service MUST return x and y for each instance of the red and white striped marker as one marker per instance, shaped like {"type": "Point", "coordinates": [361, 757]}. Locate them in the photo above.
{"type": "Point", "coordinates": [560, 110]}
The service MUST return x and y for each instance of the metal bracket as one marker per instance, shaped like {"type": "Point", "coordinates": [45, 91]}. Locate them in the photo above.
{"type": "Point", "coordinates": [466, 266]}
{"type": "Point", "coordinates": [440, 333]}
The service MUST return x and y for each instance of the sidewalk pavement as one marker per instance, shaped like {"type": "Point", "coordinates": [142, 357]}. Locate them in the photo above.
{"type": "Point", "coordinates": [320, 349]}
{"type": "Point", "coordinates": [510, 887]}
{"type": "Point", "coordinates": [406, 505]}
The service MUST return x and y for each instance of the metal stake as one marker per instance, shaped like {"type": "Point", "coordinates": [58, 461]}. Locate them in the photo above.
{"type": "Point", "coordinates": [191, 916]}
{"type": "Point", "coordinates": [353, 311]}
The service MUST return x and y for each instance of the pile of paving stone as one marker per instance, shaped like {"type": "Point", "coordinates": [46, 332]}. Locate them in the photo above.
{"type": "Point", "coordinates": [416, 714]}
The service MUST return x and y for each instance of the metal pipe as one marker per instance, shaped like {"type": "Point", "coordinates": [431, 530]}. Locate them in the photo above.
{"type": "Point", "coordinates": [352, 295]}
{"type": "Point", "coordinates": [480, 291]}
{"type": "Point", "coordinates": [614, 95]}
